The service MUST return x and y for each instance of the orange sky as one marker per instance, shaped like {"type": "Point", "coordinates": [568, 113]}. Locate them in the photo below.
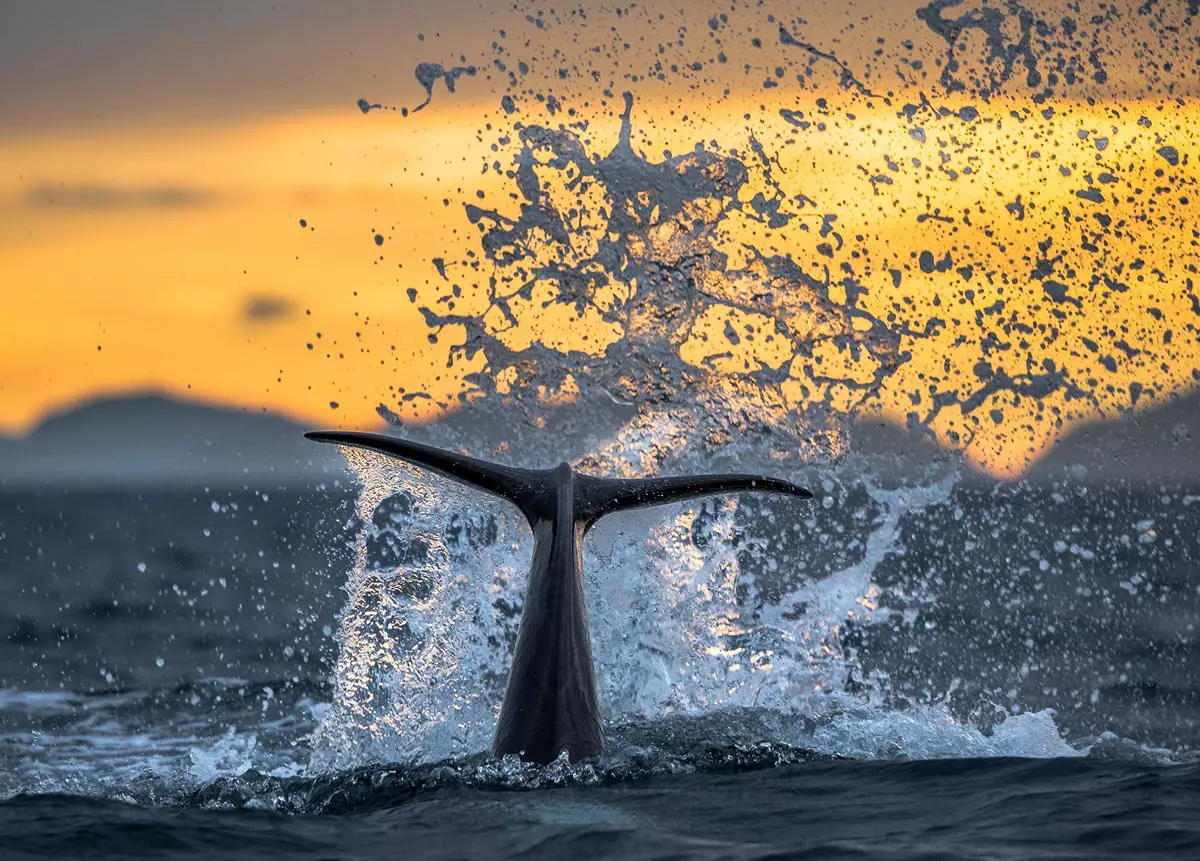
{"type": "Point", "coordinates": [168, 254]}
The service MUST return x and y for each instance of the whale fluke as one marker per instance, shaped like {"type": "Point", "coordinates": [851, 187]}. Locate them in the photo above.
{"type": "Point", "coordinates": [551, 703]}
{"type": "Point", "coordinates": [597, 497]}
{"type": "Point", "coordinates": [525, 488]}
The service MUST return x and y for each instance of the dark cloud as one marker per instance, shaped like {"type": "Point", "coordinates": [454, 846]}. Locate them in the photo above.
{"type": "Point", "coordinates": [100, 196]}
{"type": "Point", "coordinates": [73, 62]}
{"type": "Point", "coordinates": [264, 308]}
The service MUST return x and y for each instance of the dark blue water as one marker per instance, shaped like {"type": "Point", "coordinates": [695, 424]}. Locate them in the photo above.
{"type": "Point", "coordinates": [167, 658]}
{"type": "Point", "coordinates": [1000, 808]}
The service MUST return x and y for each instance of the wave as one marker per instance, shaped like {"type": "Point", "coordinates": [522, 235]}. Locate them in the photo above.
{"type": "Point", "coordinates": [219, 753]}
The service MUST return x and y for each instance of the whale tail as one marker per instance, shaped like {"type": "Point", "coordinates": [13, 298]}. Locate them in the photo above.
{"type": "Point", "coordinates": [597, 497]}
{"type": "Point", "coordinates": [551, 703]}
{"type": "Point", "coordinates": [534, 492]}
{"type": "Point", "coordinates": [528, 489]}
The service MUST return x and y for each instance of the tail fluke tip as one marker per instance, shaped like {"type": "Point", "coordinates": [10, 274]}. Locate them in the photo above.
{"type": "Point", "coordinates": [340, 437]}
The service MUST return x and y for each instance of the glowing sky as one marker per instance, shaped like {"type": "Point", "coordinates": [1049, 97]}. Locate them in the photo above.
{"type": "Point", "coordinates": [158, 160]}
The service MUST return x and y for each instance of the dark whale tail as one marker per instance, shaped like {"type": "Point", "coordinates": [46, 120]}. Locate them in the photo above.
{"type": "Point", "coordinates": [525, 488]}
{"type": "Point", "coordinates": [551, 702]}
{"type": "Point", "coordinates": [532, 490]}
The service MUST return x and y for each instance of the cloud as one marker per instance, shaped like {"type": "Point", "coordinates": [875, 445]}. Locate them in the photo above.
{"type": "Point", "coordinates": [263, 308]}
{"type": "Point", "coordinates": [85, 196]}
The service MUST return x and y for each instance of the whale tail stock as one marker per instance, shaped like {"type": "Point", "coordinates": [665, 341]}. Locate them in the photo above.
{"type": "Point", "coordinates": [534, 491]}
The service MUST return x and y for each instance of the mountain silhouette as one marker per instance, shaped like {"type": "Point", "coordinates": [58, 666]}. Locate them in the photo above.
{"type": "Point", "coordinates": [151, 440]}
{"type": "Point", "coordinates": [154, 440]}
{"type": "Point", "coordinates": [1158, 445]}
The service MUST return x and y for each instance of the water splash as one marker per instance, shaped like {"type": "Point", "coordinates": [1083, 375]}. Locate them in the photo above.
{"type": "Point", "coordinates": [749, 298]}
{"type": "Point", "coordinates": [422, 640]}
{"type": "Point", "coordinates": [640, 258]}
{"type": "Point", "coordinates": [964, 251]}
{"type": "Point", "coordinates": [738, 630]}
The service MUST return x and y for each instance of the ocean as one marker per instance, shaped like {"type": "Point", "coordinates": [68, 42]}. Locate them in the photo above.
{"type": "Point", "coordinates": [175, 678]}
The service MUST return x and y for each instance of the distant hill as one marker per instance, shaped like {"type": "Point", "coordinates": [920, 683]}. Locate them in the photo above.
{"type": "Point", "coordinates": [1161, 444]}
{"type": "Point", "coordinates": [1158, 445]}
{"type": "Point", "coordinates": [152, 440]}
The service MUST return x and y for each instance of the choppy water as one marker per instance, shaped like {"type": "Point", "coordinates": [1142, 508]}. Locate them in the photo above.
{"type": "Point", "coordinates": [985, 715]}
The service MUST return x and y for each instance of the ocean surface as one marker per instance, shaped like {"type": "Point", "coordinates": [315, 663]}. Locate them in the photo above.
{"type": "Point", "coordinates": [175, 683]}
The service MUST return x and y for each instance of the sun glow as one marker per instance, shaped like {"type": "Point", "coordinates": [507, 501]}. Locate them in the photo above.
{"type": "Point", "coordinates": [279, 264]}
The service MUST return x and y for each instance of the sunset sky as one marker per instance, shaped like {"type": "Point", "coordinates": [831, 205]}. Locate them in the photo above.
{"type": "Point", "coordinates": [159, 161]}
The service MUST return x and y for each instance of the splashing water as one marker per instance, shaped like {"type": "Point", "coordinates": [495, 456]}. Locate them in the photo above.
{"type": "Point", "coordinates": [416, 676]}
{"type": "Point", "coordinates": [741, 305]}
{"type": "Point", "coordinates": [693, 618]}
{"type": "Point", "coordinates": [966, 255]}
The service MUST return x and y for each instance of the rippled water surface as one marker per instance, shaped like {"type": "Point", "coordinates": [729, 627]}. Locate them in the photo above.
{"type": "Point", "coordinates": [173, 687]}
